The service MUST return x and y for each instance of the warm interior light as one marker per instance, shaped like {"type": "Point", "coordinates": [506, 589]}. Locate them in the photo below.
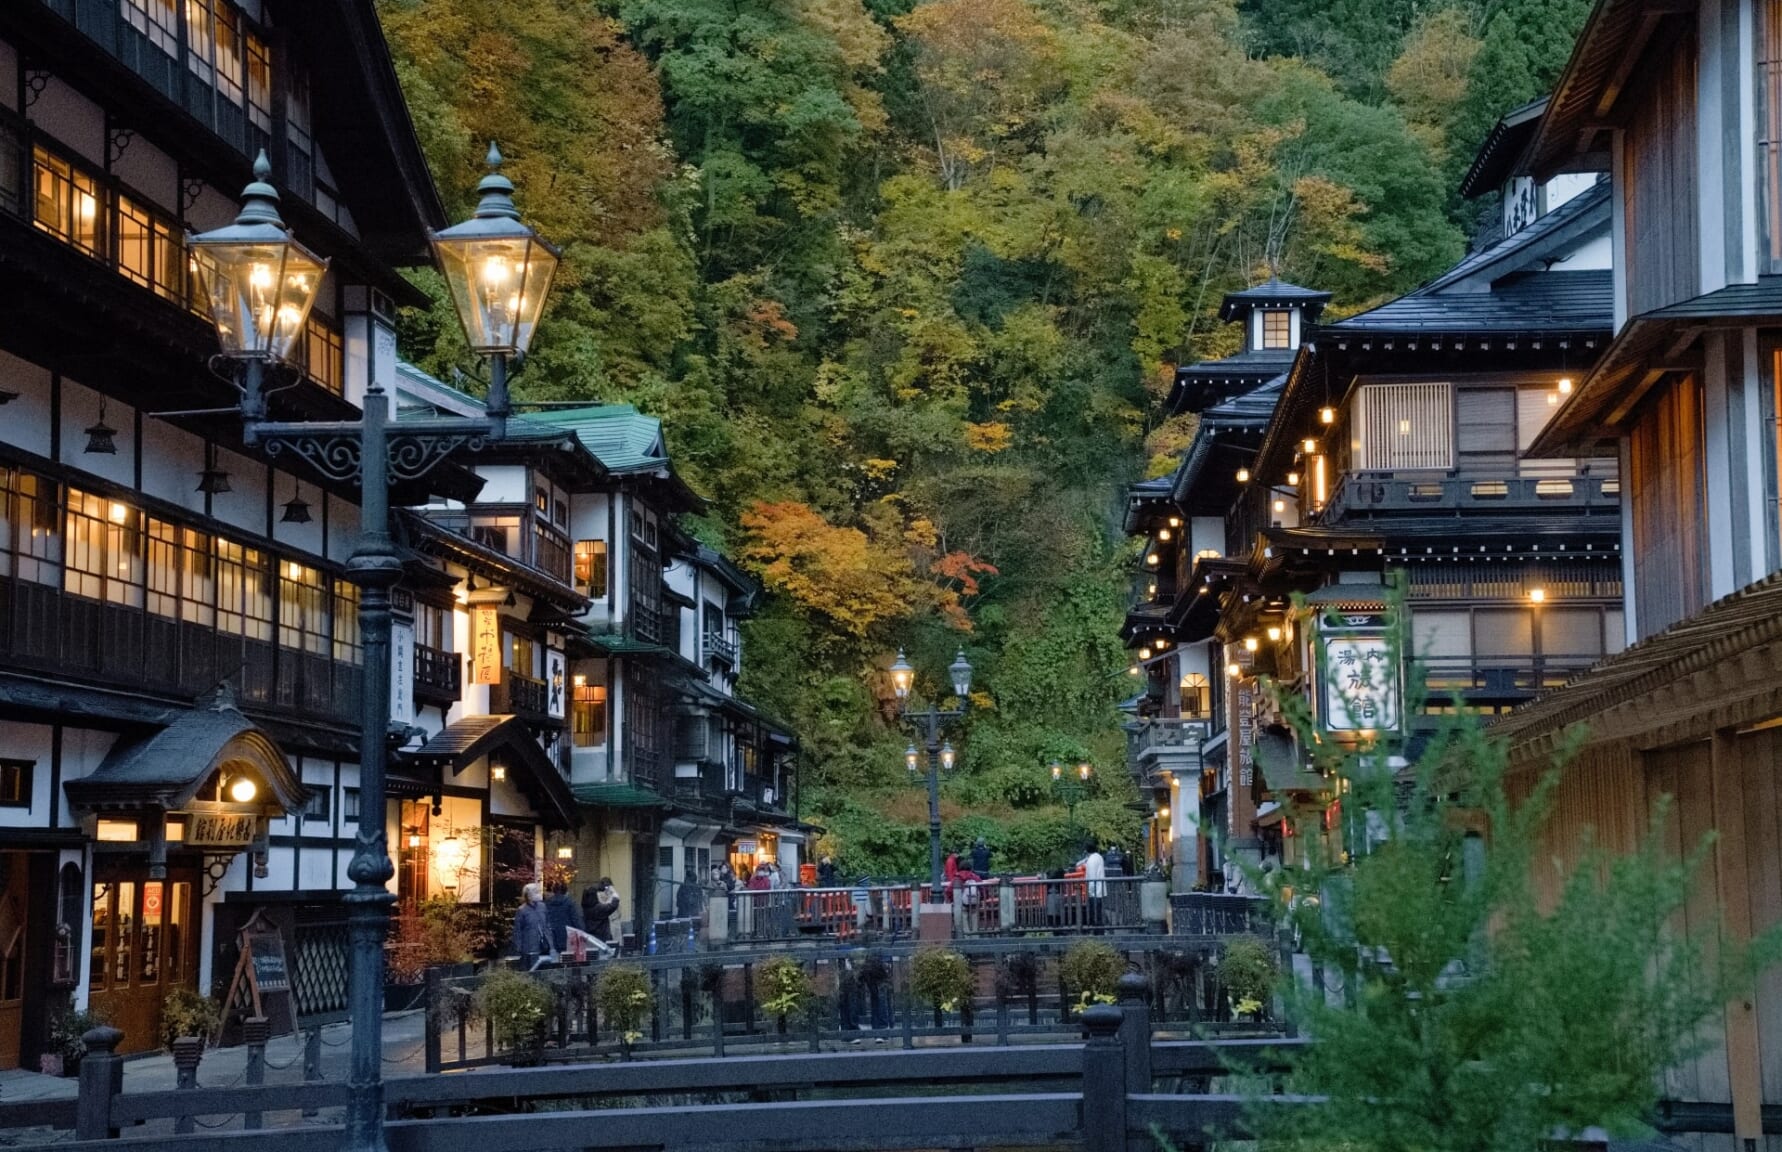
{"type": "Point", "coordinates": [496, 271]}
{"type": "Point", "coordinates": [119, 513]}
{"type": "Point", "coordinates": [242, 790]}
{"type": "Point", "coordinates": [1144, 653]}
{"type": "Point", "coordinates": [498, 772]}
{"type": "Point", "coordinates": [1243, 475]}
{"type": "Point", "coordinates": [1293, 477]}
{"type": "Point", "coordinates": [1309, 446]}
{"type": "Point", "coordinates": [1538, 595]}
{"type": "Point", "coordinates": [1552, 399]}
{"type": "Point", "coordinates": [1565, 385]}
{"type": "Point", "coordinates": [566, 853]}
{"type": "Point", "coordinates": [1232, 670]}
{"type": "Point", "coordinates": [1175, 521]}
{"type": "Point", "coordinates": [1404, 427]}
{"type": "Point", "coordinates": [581, 681]}
{"type": "Point", "coordinates": [1163, 534]}
{"type": "Point", "coordinates": [1280, 505]}
{"type": "Point", "coordinates": [1163, 813]}
{"type": "Point", "coordinates": [117, 831]}
{"type": "Point", "coordinates": [414, 840]}
{"type": "Point", "coordinates": [1327, 415]}
{"type": "Point", "coordinates": [1057, 771]}
{"type": "Point", "coordinates": [1274, 634]}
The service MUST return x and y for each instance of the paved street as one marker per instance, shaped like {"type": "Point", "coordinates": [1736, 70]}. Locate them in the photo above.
{"type": "Point", "coordinates": [224, 1068]}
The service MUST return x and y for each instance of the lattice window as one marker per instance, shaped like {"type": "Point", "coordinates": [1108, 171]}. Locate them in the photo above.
{"type": "Point", "coordinates": [1405, 427]}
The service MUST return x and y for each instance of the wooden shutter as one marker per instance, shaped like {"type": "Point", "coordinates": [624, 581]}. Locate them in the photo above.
{"type": "Point", "coordinates": [1406, 427]}
{"type": "Point", "coordinates": [1485, 429]}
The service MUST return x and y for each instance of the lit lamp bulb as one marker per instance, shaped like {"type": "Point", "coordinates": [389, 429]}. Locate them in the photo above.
{"type": "Point", "coordinates": [903, 675]}
{"type": "Point", "coordinates": [1084, 771]}
{"type": "Point", "coordinates": [911, 757]}
{"type": "Point", "coordinates": [947, 756]}
{"type": "Point", "coordinates": [1144, 653]}
{"type": "Point", "coordinates": [1293, 478]}
{"type": "Point", "coordinates": [1243, 475]}
{"type": "Point", "coordinates": [1274, 634]}
{"type": "Point", "coordinates": [1565, 385]}
{"type": "Point", "coordinates": [1151, 559]}
{"type": "Point", "coordinates": [1327, 415]}
{"type": "Point", "coordinates": [260, 277]}
{"type": "Point", "coordinates": [1250, 644]}
{"type": "Point", "coordinates": [1163, 534]}
{"type": "Point", "coordinates": [498, 772]}
{"type": "Point", "coordinates": [1163, 813]}
{"type": "Point", "coordinates": [495, 271]}
{"type": "Point", "coordinates": [1280, 505]}
{"type": "Point", "coordinates": [1057, 771]}
{"type": "Point", "coordinates": [1232, 670]}
{"type": "Point", "coordinates": [1538, 595]}
{"type": "Point", "coordinates": [1175, 521]}
{"type": "Point", "coordinates": [1309, 446]}
{"type": "Point", "coordinates": [242, 790]}
{"type": "Point", "coordinates": [414, 840]}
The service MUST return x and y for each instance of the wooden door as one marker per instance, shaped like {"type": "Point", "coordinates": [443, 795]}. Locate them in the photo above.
{"type": "Point", "coordinates": [14, 915]}
{"type": "Point", "coordinates": [144, 943]}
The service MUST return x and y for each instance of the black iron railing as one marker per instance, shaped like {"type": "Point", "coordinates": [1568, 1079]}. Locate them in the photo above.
{"type": "Point", "coordinates": [519, 695]}
{"type": "Point", "coordinates": [720, 649]}
{"type": "Point", "coordinates": [438, 672]}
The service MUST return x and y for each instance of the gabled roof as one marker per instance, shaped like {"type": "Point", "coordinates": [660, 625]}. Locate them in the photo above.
{"type": "Point", "coordinates": [1208, 382]}
{"type": "Point", "coordinates": [1273, 292]}
{"type": "Point", "coordinates": [506, 738]}
{"type": "Point", "coordinates": [1601, 68]}
{"type": "Point", "coordinates": [1503, 147]}
{"type": "Point", "coordinates": [1526, 302]}
{"type": "Point", "coordinates": [624, 439]}
{"type": "Point", "coordinates": [1542, 239]}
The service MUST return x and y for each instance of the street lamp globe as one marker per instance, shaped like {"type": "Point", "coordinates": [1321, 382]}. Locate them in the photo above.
{"type": "Point", "coordinates": [258, 282]}
{"type": "Point", "coordinates": [499, 270]}
{"type": "Point", "coordinates": [1084, 771]}
{"type": "Point", "coordinates": [960, 670]}
{"type": "Point", "coordinates": [1057, 771]}
{"type": "Point", "coordinates": [911, 758]}
{"type": "Point", "coordinates": [903, 675]}
{"type": "Point", "coordinates": [948, 756]}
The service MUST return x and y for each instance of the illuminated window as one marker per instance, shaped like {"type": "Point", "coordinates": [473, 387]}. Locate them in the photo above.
{"type": "Point", "coordinates": [227, 41]}
{"type": "Point", "coordinates": [346, 622]}
{"type": "Point", "coordinates": [1406, 427]}
{"type": "Point", "coordinates": [302, 608]}
{"type": "Point", "coordinates": [587, 716]}
{"type": "Point", "coordinates": [36, 521]}
{"type": "Point", "coordinates": [68, 204]}
{"type": "Point", "coordinates": [15, 783]}
{"type": "Point", "coordinates": [244, 591]}
{"type": "Point", "coordinates": [151, 251]}
{"type": "Point", "coordinates": [1197, 696]}
{"type": "Point", "coordinates": [590, 568]}
{"type": "Point", "coordinates": [1277, 329]}
{"type": "Point", "coordinates": [104, 560]}
{"type": "Point", "coordinates": [117, 831]}
{"type": "Point", "coordinates": [324, 355]}
{"type": "Point", "coordinates": [520, 654]}
{"type": "Point", "coordinates": [259, 83]}
{"type": "Point", "coordinates": [200, 38]}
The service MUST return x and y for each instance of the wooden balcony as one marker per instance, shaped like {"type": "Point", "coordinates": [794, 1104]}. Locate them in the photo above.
{"type": "Point", "coordinates": [522, 696]}
{"type": "Point", "coordinates": [1365, 496]}
{"type": "Point", "coordinates": [439, 675]}
{"type": "Point", "coordinates": [721, 650]}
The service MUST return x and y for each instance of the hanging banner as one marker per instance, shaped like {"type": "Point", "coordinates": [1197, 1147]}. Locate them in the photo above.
{"type": "Point", "coordinates": [554, 683]}
{"type": "Point", "coordinates": [485, 646]}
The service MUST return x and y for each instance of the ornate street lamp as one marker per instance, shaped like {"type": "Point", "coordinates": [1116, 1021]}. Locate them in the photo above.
{"type": "Point", "coordinates": [259, 284]}
{"type": "Point", "coordinates": [929, 723]}
{"type": "Point", "coordinates": [1072, 786]}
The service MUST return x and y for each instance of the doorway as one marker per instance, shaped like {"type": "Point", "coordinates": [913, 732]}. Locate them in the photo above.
{"type": "Point", "coordinates": [14, 916]}
{"type": "Point", "coordinates": [144, 943]}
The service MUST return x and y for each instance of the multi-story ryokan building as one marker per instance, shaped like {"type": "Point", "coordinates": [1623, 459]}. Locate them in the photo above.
{"type": "Point", "coordinates": [179, 657]}
{"type": "Point", "coordinates": [1334, 459]}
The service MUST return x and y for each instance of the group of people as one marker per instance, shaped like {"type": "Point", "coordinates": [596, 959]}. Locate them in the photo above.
{"type": "Point", "coordinates": [541, 927]}
{"type": "Point", "coordinates": [763, 877]}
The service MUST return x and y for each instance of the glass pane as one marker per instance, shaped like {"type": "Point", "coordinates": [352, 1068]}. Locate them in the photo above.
{"type": "Point", "coordinates": [177, 916]}
{"type": "Point", "coordinates": [104, 916]}
{"type": "Point", "coordinates": [154, 894]}
{"type": "Point", "coordinates": [120, 944]}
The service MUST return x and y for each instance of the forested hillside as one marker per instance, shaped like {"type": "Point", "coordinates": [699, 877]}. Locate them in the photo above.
{"type": "Point", "coordinates": [906, 281]}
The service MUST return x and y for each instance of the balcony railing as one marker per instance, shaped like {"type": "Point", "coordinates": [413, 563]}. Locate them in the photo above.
{"type": "Point", "coordinates": [438, 673]}
{"type": "Point", "coordinates": [720, 649]}
{"type": "Point", "coordinates": [1510, 676]}
{"type": "Point", "coordinates": [1166, 733]}
{"type": "Point", "coordinates": [521, 696]}
{"type": "Point", "coordinates": [1362, 495]}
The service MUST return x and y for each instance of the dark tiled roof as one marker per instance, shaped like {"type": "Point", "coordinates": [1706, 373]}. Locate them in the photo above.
{"type": "Point", "coordinates": [166, 769]}
{"type": "Point", "coordinates": [1258, 404]}
{"type": "Point", "coordinates": [1274, 290]}
{"type": "Point", "coordinates": [1525, 302]}
{"type": "Point", "coordinates": [1762, 299]}
{"type": "Point", "coordinates": [1258, 363]}
{"type": "Point", "coordinates": [1615, 34]}
{"type": "Point", "coordinates": [1583, 213]}
{"type": "Point", "coordinates": [1503, 146]}
{"type": "Point", "coordinates": [461, 742]}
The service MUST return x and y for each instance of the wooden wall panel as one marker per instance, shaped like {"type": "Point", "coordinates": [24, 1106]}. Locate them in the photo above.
{"type": "Point", "coordinates": [1760, 756]}
{"type": "Point", "coordinates": [1668, 493]}
{"type": "Point", "coordinates": [1662, 197]}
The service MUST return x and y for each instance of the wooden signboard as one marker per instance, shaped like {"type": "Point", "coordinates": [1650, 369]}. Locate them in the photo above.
{"type": "Point", "coordinates": [262, 982]}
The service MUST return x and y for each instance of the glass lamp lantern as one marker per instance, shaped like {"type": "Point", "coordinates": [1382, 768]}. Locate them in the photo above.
{"type": "Point", "coordinates": [948, 757]}
{"type": "Point", "coordinates": [1057, 772]}
{"type": "Point", "coordinates": [258, 282]}
{"type": "Point", "coordinates": [911, 758]}
{"type": "Point", "coordinates": [903, 676]}
{"type": "Point", "coordinates": [960, 671]}
{"type": "Point", "coordinates": [499, 270]}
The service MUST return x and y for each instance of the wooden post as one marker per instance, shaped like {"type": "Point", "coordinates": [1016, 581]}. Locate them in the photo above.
{"type": "Point", "coordinates": [101, 1079]}
{"type": "Point", "coordinates": [1744, 1070]}
{"type": "Point", "coordinates": [1135, 1007]}
{"type": "Point", "coordinates": [1104, 1080]}
{"type": "Point", "coordinates": [187, 1052]}
{"type": "Point", "coordinates": [430, 1026]}
{"type": "Point", "coordinates": [254, 1031]}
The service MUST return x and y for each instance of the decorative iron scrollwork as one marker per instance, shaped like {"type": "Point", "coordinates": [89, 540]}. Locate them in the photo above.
{"type": "Point", "coordinates": [336, 457]}
{"type": "Point", "coordinates": [413, 456]}
{"type": "Point", "coordinates": [216, 866]}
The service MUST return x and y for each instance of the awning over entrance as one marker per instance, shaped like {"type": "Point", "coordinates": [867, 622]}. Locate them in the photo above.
{"type": "Point", "coordinates": [509, 740]}
{"type": "Point", "coordinates": [166, 770]}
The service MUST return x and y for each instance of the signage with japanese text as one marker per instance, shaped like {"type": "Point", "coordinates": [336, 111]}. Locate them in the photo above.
{"type": "Point", "coordinates": [1360, 683]}
{"type": "Point", "coordinates": [402, 680]}
{"type": "Point", "coordinates": [554, 683]}
{"type": "Point", "coordinates": [219, 829]}
{"type": "Point", "coordinates": [485, 647]}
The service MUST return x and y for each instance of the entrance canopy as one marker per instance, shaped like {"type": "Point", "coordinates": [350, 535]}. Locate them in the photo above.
{"type": "Point", "coordinates": [167, 771]}
{"type": "Point", "coordinates": [508, 740]}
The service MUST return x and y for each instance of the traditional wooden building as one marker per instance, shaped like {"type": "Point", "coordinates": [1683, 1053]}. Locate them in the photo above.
{"type": "Point", "coordinates": [1681, 103]}
{"type": "Point", "coordinates": [1389, 451]}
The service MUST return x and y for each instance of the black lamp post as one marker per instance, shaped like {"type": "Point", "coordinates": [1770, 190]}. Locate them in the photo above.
{"type": "Point", "coordinates": [929, 723]}
{"type": "Point", "coordinates": [259, 284]}
{"type": "Point", "coordinates": [1071, 786]}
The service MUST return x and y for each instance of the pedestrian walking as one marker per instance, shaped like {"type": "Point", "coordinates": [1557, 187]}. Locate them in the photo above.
{"type": "Point", "coordinates": [826, 877]}
{"type": "Point", "coordinates": [689, 902]}
{"type": "Point", "coordinates": [532, 929]}
{"type": "Point", "coordinates": [980, 858]}
{"type": "Point", "coordinates": [563, 915]}
{"type": "Point", "coordinates": [600, 904]}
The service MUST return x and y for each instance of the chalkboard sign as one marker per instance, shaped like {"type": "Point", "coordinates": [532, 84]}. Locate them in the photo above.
{"type": "Point", "coordinates": [262, 982]}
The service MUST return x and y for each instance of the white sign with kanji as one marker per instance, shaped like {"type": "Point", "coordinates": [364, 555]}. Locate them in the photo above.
{"type": "Point", "coordinates": [1360, 684]}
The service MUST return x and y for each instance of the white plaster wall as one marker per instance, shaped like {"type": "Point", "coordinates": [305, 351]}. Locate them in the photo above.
{"type": "Point", "coordinates": [80, 411]}
{"type": "Point", "coordinates": [1206, 533]}
{"type": "Point", "coordinates": [151, 173]}
{"type": "Point", "coordinates": [212, 209]}
{"type": "Point", "coordinates": [83, 750]}
{"type": "Point", "coordinates": [504, 484]}
{"type": "Point", "coordinates": [29, 742]}
{"type": "Point", "coordinates": [315, 869]}
{"type": "Point", "coordinates": [1596, 254]}
{"type": "Point", "coordinates": [343, 529]}
{"type": "Point", "coordinates": [25, 422]}
{"type": "Point", "coordinates": [71, 118]}
{"type": "Point", "coordinates": [171, 459]}
{"type": "Point", "coordinates": [244, 505]}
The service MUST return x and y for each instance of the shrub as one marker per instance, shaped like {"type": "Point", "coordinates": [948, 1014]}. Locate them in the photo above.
{"type": "Point", "coordinates": [942, 977]}
{"type": "Point", "coordinates": [186, 1013]}
{"type": "Point", "coordinates": [516, 1006]}
{"type": "Point", "coordinates": [1247, 969]}
{"type": "Point", "coordinates": [785, 986]}
{"type": "Point", "coordinates": [439, 931]}
{"type": "Point", "coordinates": [624, 1000]}
{"type": "Point", "coordinates": [1091, 971]}
{"type": "Point", "coordinates": [68, 1029]}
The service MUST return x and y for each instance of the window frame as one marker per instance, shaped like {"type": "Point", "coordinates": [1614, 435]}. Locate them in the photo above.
{"type": "Point", "coordinates": [24, 774]}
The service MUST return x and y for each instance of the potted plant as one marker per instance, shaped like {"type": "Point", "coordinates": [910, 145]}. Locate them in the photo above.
{"type": "Point", "coordinates": [624, 1001]}
{"type": "Point", "coordinates": [517, 1007]}
{"type": "Point", "coordinates": [944, 978]}
{"type": "Point", "coordinates": [1247, 970]}
{"type": "Point", "coordinates": [67, 1040]}
{"type": "Point", "coordinates": [785, 988]}
{"type": "Point", "coordinates": [188, 1020]}
{"type": "Point", "coordinates": [1091, 971]}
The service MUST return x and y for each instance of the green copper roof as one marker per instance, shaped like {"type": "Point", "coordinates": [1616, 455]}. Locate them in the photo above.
{"type": "Point", "coordinates": [623, 438]}
{"type": "Point", "coordinates": [617, 794]}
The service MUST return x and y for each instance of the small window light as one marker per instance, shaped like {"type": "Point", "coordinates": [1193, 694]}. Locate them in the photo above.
{"type": "Point", "coordinates": [1404, 427]}
{"type": "Point", "coordinates": [1274, 634]}
{"type": "Point", "coordinates": [1243, 475]}
{"type": "Point", "coordinates": [566, 853]}
{"type": "Point", "coordinates": [1233, 671]}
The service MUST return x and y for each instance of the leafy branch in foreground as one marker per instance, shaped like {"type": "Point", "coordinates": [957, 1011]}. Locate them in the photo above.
{"type": "Point", "coordinates": [1478, 998]}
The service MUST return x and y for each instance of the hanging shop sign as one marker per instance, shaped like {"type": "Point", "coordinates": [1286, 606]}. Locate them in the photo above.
{"type": "Point", "coordinates": [1359, 690]}
{"type": "Point", "coordinates": [485, 649]}
{"type": "Point", "coordinates": [219, 829]}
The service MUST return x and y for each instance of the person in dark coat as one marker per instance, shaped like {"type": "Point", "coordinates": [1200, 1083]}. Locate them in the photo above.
{"type": "Point", "coordinates": [689, 902]}
{"type": "Point", "coordinates": [563, 915]}
{"type": "Point", "coordinates": [826, 877]}
{"type": "Point", "coordinates": [980, 858]}
{"type": "Point", "coordinates": [599, 905]}
{"type": "Point", "coordinates": [532, 928]}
